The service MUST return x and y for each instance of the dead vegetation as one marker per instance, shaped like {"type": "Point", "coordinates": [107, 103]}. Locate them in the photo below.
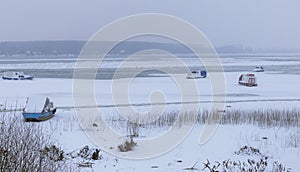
{"type": "Point", "coordinates": [260, 117]}
{"type": "Point", "coordinates": [193, 167]}
{"type": "Point", "coordinates": [25, 147]}
{"type": "Point", "coordinates": [128, 145]}
{"type": "Point", "coordinates": [252, 163]}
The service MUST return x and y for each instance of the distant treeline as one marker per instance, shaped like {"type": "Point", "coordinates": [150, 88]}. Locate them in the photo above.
{"type": "Point", "coordinates": [41, 47]}
{"type": "Point", "coordinates": [73, 48]}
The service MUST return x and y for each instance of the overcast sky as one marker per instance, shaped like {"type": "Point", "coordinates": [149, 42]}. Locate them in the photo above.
{"type": "Point", "coordinates": [255, 23]}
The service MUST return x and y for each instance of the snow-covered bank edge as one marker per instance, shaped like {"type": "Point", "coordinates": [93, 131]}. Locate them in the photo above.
{"type": "Point", "coordinates": [274, 135]}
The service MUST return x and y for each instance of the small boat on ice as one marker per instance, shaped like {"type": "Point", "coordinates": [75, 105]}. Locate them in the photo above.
{"type": "Point", "coordinates": [196, 74]}
{"type": "Point", "coordinates": [47, 112]}
{"type": "Point", "coordinates": [14, 75]}
{"type": "Point", "coordinates": [248, 80]}
{"type": "Point", "coordinates": [258, 69]}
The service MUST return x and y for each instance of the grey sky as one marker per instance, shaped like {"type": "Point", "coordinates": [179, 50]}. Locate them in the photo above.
{"type": "Point", "coordinates": [255, 23]}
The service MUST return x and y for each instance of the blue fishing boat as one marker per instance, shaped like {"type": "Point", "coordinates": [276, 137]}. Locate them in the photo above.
{"type": "Point", "coordinates": [47, 112]}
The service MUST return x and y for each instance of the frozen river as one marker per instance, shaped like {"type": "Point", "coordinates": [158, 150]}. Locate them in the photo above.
{"type": "Point", "coordinates": [278, 88]}
{"type": "Point", "coordinates": [63, 66]}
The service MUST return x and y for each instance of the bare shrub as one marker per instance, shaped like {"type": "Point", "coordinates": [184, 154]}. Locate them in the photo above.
{"type": "Point", "coordinates": [248, 150]}
{"type": "Point", "coordinates": [133, 129]}
{"type": "Point", "coordinates": [53, 153]}
{"type": "Point", "coordinates": [260, 163]}
{"type": "Point", "coordinates": [85, 157]}
{"type": "Point", "coordinates": [238, 165]}
{"type": "Point", "coordinates": [127, 145]}
{"type": "Point", "coordinates": [24, 147]}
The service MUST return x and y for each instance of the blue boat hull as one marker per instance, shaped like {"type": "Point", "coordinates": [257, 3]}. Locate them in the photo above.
{"type": "Point", "coordinates": [38, 116]}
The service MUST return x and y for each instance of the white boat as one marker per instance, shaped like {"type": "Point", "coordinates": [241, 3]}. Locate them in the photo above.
{"type": "Point", "coordinates": [196, 74]}
{"type": "Point", "coordinates": [258, 69]}
{"type": "Point", "coordinates": [248, 80]}
{"type": "Point", "coordinates": [14, 75]}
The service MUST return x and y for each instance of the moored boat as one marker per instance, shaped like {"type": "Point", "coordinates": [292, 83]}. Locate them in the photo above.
{"type": "Point", "coordinates": [248, 80]}
{"type": "Point", "coordinates": [14, 75]}
{"type": "Point", "coordinates": [258, 69]}
{"type": "Point", "coordinates": [47, 112]}
{"type": "Point", "coordinates": [196, 74]}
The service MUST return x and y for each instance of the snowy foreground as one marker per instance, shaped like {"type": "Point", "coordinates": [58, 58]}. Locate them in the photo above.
{"type": "Point", "coordinates": [231, 143]}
